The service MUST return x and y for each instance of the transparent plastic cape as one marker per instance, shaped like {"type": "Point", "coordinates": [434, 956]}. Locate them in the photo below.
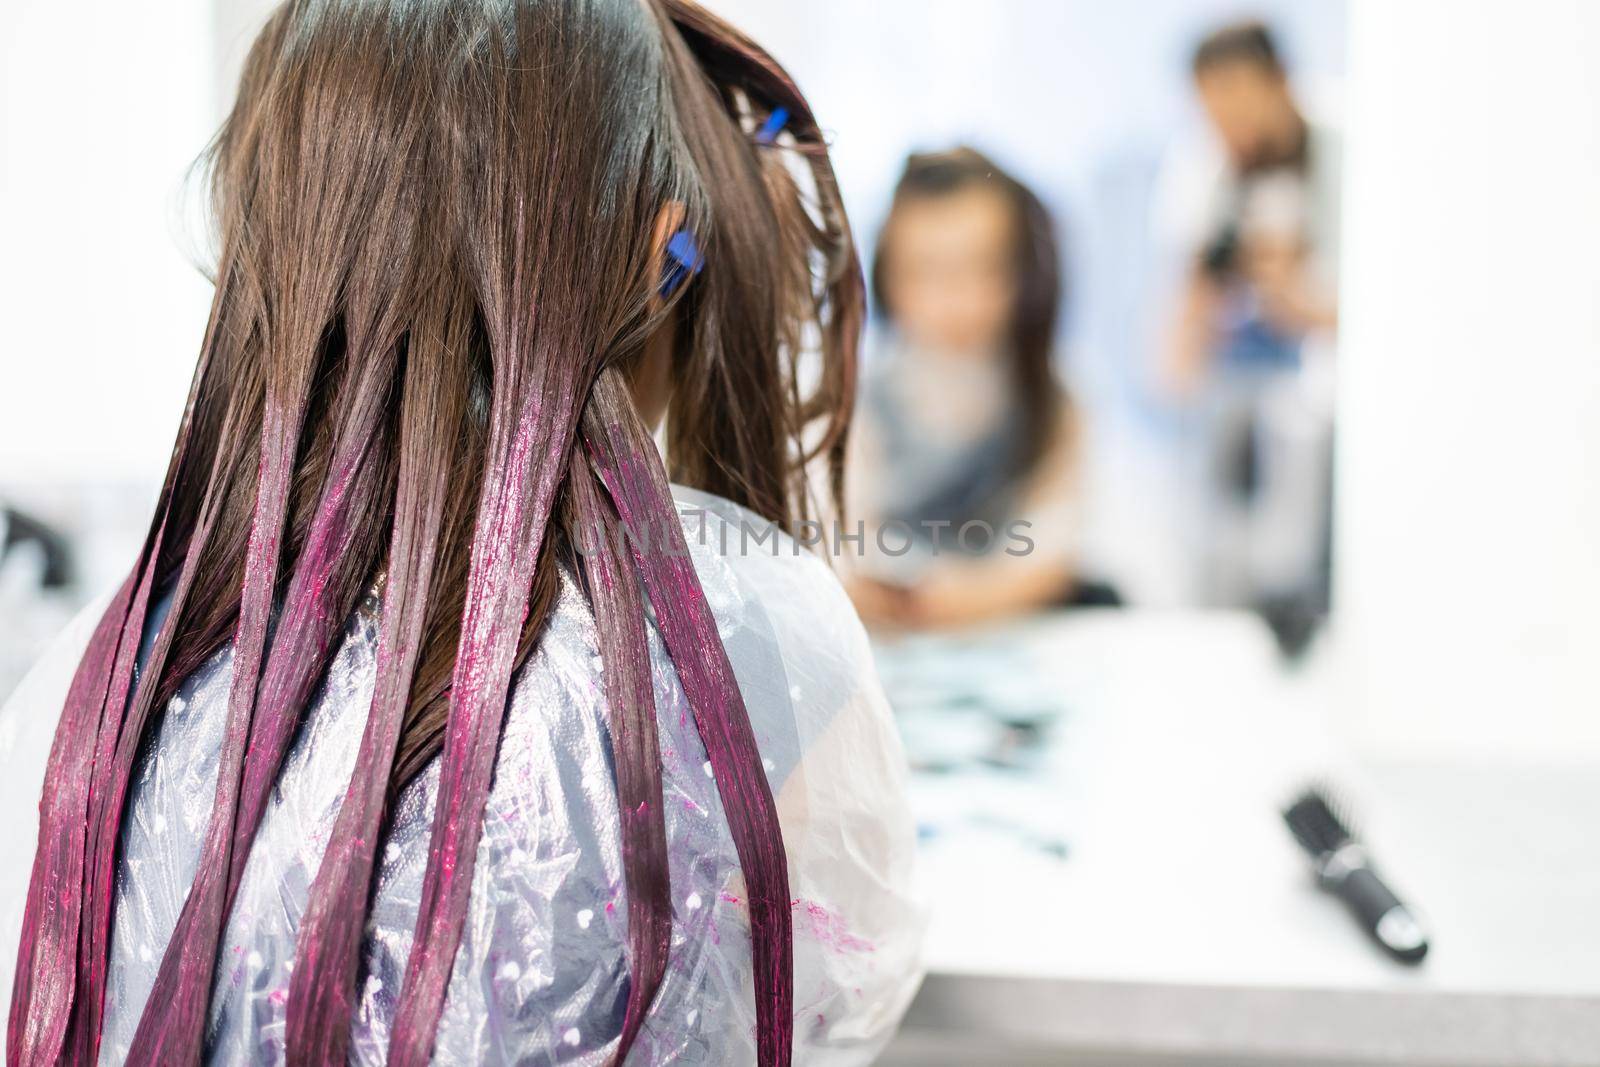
{"type": "Point", "coordinates": [541, 976]}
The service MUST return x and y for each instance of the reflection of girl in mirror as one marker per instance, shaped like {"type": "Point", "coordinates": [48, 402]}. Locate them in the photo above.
{"type": "Point", "coordinates": [501, 801]}
{"type": "Point", "coordinates": [966, 446]}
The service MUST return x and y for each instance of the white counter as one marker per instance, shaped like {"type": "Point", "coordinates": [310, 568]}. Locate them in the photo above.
{"type": "Point", "coordinates": [1183, 921]}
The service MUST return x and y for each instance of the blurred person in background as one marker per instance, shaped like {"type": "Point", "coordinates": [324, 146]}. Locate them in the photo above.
{"type": "Point", "coordinates": [965, 466]}
{"type": "Point", "coordinates": [1255, 218]}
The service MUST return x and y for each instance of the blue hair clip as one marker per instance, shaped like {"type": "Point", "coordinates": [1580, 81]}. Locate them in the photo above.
{"type": "Point", "coordinates": [773, 126]}
{"type": "Point", "coordinates": [683, 261]}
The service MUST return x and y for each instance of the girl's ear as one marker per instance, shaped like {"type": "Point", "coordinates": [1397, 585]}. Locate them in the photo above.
{"type": "Point", "coordinates": [669, 220]}
{"type": "Point", "coordinates": [650, 379]}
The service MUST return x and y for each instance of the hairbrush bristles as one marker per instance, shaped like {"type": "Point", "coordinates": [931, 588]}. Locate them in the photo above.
{"type": "Point", "coordinates": [1318, 822]}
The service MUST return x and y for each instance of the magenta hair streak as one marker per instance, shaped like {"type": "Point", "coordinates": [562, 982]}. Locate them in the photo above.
{"type": "Point", "coordinates": [321, 992]}
{"type": "Point", "coordinates": [627, 461]}
{"type": "Point", "coordinates": [42, 996]}
{"type": "Point", "coordinates": [313, 615]}
{"type": "Point", "coordinates": [59, 986]}
{"type": "Point", "coordinates": [613, 587]}
{"type": "Point", "coordinates": [171, 1030]}
{"type": "Point", "coordinates": [537, 391]}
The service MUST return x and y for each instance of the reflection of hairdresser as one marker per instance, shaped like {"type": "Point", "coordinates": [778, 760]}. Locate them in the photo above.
{"type": "Point", "coordinates": [1235, 306]}
{"type": "Point", "coordinates": [966, 449]}
{"type": "Point", "coordinates": [1256, 218]}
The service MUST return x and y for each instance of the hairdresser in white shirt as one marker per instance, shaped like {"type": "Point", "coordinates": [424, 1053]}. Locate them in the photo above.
{"type": "Point", "coordinates": [1252, 218]}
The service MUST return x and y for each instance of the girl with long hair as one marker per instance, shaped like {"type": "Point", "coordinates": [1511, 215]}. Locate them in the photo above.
{"type": "Point", "coordinates": [432, 723]}
{"type": "Point", "coordinates": [968, 451]}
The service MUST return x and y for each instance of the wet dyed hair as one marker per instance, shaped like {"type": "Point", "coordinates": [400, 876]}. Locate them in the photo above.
{"type": "Point", "coordinates": [1036, 265]}
{"type": "Point", "coordinates": [438, 264]}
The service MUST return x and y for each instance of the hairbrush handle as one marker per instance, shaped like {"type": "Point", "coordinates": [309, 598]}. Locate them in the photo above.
{"type": "Point", "coordinates": [1381, 914]}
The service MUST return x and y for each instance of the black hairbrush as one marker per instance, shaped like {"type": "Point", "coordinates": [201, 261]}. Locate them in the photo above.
{"type": "Point", "coordinates": [1343, 869]}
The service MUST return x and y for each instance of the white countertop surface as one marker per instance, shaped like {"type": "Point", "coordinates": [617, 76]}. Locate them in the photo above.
{"type": "Point", "coordinates": [1184, 920]}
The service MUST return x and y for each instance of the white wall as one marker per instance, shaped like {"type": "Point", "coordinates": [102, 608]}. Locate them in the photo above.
{"type": "Point", "coordinates": [1052, 87]}
{"type": "Point", "coordinates": [105, 105]}
{"type": "Point", "coordinates": [1469, 585]}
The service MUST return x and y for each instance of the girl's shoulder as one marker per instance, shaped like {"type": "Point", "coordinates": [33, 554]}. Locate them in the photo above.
{"type": "Point", "coordinates": [790, 629]}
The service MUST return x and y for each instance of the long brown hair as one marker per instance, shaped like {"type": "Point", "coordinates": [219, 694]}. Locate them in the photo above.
{"type": "Point", "coordinates": [1036, 265]}
{"type": "Point", "coordinates": [436, 270]}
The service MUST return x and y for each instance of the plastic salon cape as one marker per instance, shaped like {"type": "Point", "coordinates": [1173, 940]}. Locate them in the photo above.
{"type": "Point", "coordinates": [541, 975]}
